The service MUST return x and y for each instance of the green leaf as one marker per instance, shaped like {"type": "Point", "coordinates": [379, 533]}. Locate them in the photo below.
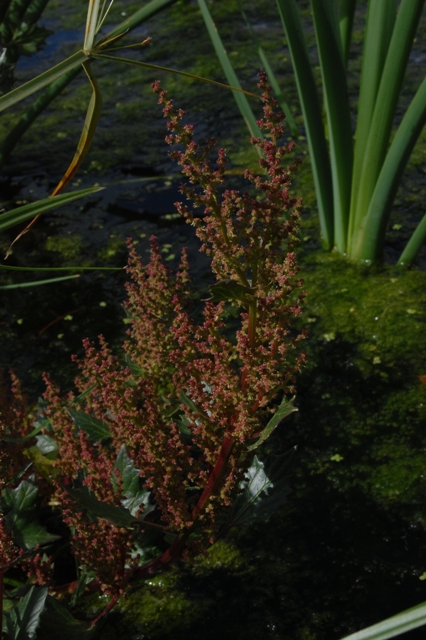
{"type": "Point", "coordinates": [395, 626]}
{"type": "Point", "coordinates": [21, 214]}
{"type": "Point", "coordinates": [87, 500]}
{"type": "Point", "coordinates": [230, 290]}
{"type": "Point", "coordinates": [286, 407]}
{"type": "Point", "coordinates": [229, 72]}
{"type": "Point", "coordinates": [138, 63]}
{"type": "Point", "coordinates": [97, 430]}
{"type": "Point", "coordinates": [49, 76]}
{"type": "Point", "coordinates": [23, 515]}
{"type": "Point", "coordinates": [46, 445]}
{"type": "Point", "coordinates": [265, 490]}
{"type": "Point", "coordinates": [23, 620]}
{"type": "Point", "coordinates": [36, 283]}
{"type": "Point", "coordinates": [58, 622]}
{"type": "Point", "coordinates": [312, 115]}
{"type": "Point", "coordinates": [134, 368]}
{"type": "Point", "coordinates": [84, 578]}
{"type": "Point", "coordinates": [186, 400]}
{"type": "Point", "coordinates": [135, 495]}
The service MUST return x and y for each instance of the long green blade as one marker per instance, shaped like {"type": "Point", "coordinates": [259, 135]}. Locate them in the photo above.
{"type": "Point", "coordinates": [271, 76]}
{"type": "Point", "coordinates": [41, 81]}
{"type": "Point", "coordinates": [409, 619]}
{"type": "Point", "coordinates": [50, 269]}
{"type": "Point", "coordinates": [414, 245]}
{"type": "Point", "coordinates": [369, 242]}
{"type": "Point", "coordinates": [384, 111]}
{"type": "Point", "coordinates": [37, 283]}
{"type": "Point", "coordinates": [91, 22]}
{"type": "Point", "coordinates": [336, 103]}
{"type": "Point", "coordinates": [15, 134]}
{"type": "Point", "coordinates": [312, 114]}
{"type": "Point", "coordinates": [146, 12]}
{"type": "Point", "coordinates": [346, 20]}
{"type": "Point", "coordinates": [157, 67]}
{"type": "Point", "coordinates": [28, 211]}
{"type": "Point", "coordinates": [380, 23]}
{"type": "Point", "coordinates": [229, 72]}
{"type": "Point", "coordinates": [89, 128]}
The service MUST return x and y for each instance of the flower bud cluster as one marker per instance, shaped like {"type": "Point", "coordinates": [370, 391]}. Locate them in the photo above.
{"type": "Point", "coordinates": [190, 396]}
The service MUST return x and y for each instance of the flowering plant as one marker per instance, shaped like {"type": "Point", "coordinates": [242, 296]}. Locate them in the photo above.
{"type": "Point", "coordinates": [150, 449]}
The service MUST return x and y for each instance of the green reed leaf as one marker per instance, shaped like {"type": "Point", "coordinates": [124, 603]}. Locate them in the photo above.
{"type": "Point", "coordinates": [394, 626]}
{"type": "Point", "coordinates": [28, 211]}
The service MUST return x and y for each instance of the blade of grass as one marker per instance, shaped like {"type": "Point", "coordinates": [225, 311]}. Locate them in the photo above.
{"type": "Point", "coordinates": [27, 211]}
{"type": "Point", "coordinates": [146, 12]}
{"type": "Point", "coordinates": [229, 72]}
{"type": "Point", "coordinates": [395, 626]}
{"type": "Point", "coordinates": [37, 283]}
{"type": "Point", "coordinates": [15, 134]}
{"type": "Point", "coordinates": [41, 81]}
{"type": "Point", "coordinates": [157, 67]}
{"type": "Point", "coordinates": [312, 114]}
{"type": "Point", "coordinates": [271, 76]}
{"type": "Point", "coordinates": [414, 244]}
{"type": "Point", "coordinates": [371, 234]}
{"type": "Point", "coordinates": [379, 27]}
{"type": "Point", "coordinates": [10, 268]}
{"type": "Point", "coordinates": [335, 92]}
{"type": "Point", "coordinates": [381, 124]}
{"type": "Point", "coordinates": [89, 128]}
{"type": "Point", "coordinates": [346, 21]}
{"type": "Point", "coordinates": [91, 23]}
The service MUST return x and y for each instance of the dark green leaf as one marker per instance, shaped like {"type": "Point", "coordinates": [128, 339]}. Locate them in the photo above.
{"type": "Point", "coordinates": [23, 516]}
{"type": "Point", "coordinates": [186, 400]}
{"type": "Point", "coordinates": [97, 430]}
{"type": "Point", "coordinates": [83, 580]}
{"type": "Point", "coordinates": [135, 369]}
{"type": "Point", "coordinates": [282, 412]}
{"type": "Point", "coordinates": [58, 622]}
{"type": "Point", "coordinates": [230, 290]}
{"type": "Point", "coordinates": [24, 618]}
{"type": "Point", "coordinates": [134, 494]}
{"type": "Point", "coordinates": [117, 515]}
{"type": "Point", "coordinates": [265, 490]}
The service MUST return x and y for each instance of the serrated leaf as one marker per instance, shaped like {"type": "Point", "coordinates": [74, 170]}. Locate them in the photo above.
{"type": "Point", "coordinates": [117, 515]}
{"type": "Point", "coordinates": [230, 290]}
{"type": "Point", "coordinates": [84, 578]}
{"type": "Point", "coordinates": [286, 407]}
{"type": "Point", "coordinates": [23, 517]}
{"type": "Point", "coordinates": [134, 494]}
{"type": "Point", "coordinates": [97, 430]}
{"type": "Point", "coordinates": [264, 491]}
{"type": "Point", "coordinates": [23, 620]}
{"type": "Point", "coordinates": [46, 445]}
{"type": "Point", "coordinates": [58, 622]}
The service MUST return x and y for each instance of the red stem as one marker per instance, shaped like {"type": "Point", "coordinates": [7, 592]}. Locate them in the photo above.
{"type": "Point", "coordinates": [215, 475]}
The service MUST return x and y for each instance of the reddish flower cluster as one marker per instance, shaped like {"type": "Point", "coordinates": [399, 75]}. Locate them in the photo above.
{"type": "Point", "coordinates": [188, 399]}
{"type": "Point", "coordinates": [15, 421]}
